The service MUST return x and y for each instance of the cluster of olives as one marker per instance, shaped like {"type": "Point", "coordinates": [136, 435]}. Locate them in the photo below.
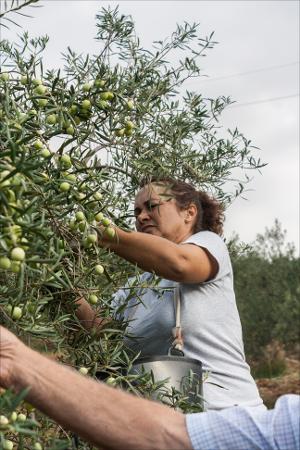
{"type": "Point", "coordinates": [66, 115]}
{"type": "Point", "coordinates": [10, 425]}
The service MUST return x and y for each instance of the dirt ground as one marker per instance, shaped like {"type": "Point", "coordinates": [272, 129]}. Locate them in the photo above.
{"type": "Point", "coordinates": [288, 383]}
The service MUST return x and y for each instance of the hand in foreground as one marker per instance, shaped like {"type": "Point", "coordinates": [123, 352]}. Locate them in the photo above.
{"type": "Point", "coordinates": [64, 395]}
{"type": "Point", "coordinates": [9, 344]}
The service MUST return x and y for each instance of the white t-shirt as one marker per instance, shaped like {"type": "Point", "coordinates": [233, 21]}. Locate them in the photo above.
{"type": "Point", "coordinates": [210, 323]}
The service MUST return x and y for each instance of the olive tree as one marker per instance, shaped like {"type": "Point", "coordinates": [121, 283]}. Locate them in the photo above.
{"type": "Point", "coordinates": [75, 144]}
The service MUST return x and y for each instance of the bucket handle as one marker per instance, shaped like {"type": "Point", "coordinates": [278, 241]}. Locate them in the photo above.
{"type": "Point", "coordinates": [176, 348]}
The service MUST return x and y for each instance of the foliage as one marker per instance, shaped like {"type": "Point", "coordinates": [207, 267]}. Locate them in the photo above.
{"type": "Point", "coordinates": [271, 245]}
{"type": "Point", "coordinates": [271, 363]}
{"type": "Point", "coordinates": [74, 146]}
{"type": "Point", "coordinates": [18, 423]}
{"type": "Point", "coordinates": [13, 6]}
{"type": "Point", "coordinates": [267, 286]}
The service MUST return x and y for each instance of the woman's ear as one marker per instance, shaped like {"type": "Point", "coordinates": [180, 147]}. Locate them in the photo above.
{"type": "Point", "coordinates": [191, 213]}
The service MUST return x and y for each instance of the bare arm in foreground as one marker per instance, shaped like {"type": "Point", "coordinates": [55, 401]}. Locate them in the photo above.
{"type": "Point", "coordinates": [102, 415]}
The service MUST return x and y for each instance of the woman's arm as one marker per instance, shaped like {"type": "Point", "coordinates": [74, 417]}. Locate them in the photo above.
{"type": "Point", "coordinates": [88, 316]}
{"type": "Point", "coordinates": [186, 263]}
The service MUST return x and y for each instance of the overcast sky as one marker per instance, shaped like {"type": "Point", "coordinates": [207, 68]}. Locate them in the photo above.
{"type": "Point", "coordinates": [256, 63]}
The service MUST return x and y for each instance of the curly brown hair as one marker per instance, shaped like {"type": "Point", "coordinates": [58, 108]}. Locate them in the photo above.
{"type": "Point", "coordinates": [210, 214]}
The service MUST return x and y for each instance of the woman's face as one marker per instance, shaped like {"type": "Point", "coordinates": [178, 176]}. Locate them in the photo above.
{"type": "Point", "coordinates": [157, 213]}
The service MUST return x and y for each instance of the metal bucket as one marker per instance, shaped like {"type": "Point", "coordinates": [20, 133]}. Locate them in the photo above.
{"type": "Point", "coordinates": [182, 374]}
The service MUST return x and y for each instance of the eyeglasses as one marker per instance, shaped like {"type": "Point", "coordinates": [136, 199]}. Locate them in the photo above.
{"type": "Point", "coordinates": [149, 206]}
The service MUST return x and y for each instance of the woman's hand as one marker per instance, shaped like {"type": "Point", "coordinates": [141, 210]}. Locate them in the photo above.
{"type": "Point", "coordinates": [107, 235]}
{"type": "Point", "coordinates": [88, 316]}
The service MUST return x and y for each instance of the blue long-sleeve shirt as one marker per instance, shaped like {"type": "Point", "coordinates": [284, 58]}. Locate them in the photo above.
{"type": "Point", "coordinates": [247, 428]}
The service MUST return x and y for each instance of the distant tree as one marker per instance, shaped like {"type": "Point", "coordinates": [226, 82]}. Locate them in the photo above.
{"type": "Point", "coordinates": [272, 243]}
{"type": "Point", "coordinates": [267, 285]}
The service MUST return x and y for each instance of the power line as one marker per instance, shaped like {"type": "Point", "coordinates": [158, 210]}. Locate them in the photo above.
{"type": "Point", "coordinates": [267, 100]}
{"type": "Point", "coordinates": [263, 69]}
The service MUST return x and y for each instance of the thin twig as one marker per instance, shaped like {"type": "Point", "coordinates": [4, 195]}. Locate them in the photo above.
{"type": "Point", "coordinates": [26, 3]}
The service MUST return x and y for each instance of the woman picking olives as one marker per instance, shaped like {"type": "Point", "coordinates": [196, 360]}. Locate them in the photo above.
{"type": "Point", "coordinates": [178, 238]}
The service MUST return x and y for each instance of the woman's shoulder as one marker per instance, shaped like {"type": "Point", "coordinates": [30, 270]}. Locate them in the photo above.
{"type": "Point", "coordinates": [205, 236]}
{"type": "Point", "coordinates": [214, 244]}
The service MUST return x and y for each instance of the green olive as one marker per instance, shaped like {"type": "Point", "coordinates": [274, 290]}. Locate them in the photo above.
{"type": "Point", "coordinates": [86, 104]}
{"type": "Point", "coordinates": [128, 131]}
{"type": "Point", "coordinates": [105, 221]}
{"type": "Point", "coordinates": [98, 83]}
{"type": "Point", "coordinates": [70, 177]}
{"type": "Point", "coordinates": [4, 76]}
{"type": "Point", "coordinates": [65, 161]}
{"type": "Point", "coordinates": [38, 145]}
{"type": "Point", "coordinates": [24, 80]}
{"type": "Point", "coordinates": [99, 217]}
{"type": "Point", "coordinates": [5, 263]}
{"type": "Point", "coordinates": [80, 196]}
{"type": "Point", "coordinates": [70, 130]}
{"type": "Point", "coordinates": [21, 417]}
{"type": "Point", "coordinates": [129, 124]}
{"type": "Point", "coordinates": [45, 153]}
{"type": "Point", "coordinates": [103, 104]}
{"type": "Point", "coordinates": [15, 266]}
{"type": "Point", "coordinates": [32, 112]}
{"type": "Point", "coordinates": [40, 90]}
{"type": "Point", "coordinates": [110, 232]}
{"type": "Point", "coordinates": [51, 119]}
{"type": "Point", "coordinates": [37, 446]}
{"type": "Point", "coordinates": [86, 87]}
{"type": "Point", "coordinates": [42, 102]}
{"type": "Point", "coordinates": [64, 186]}
{"type": "Point", "coordinates": [13, 416]}
{"type": "Point", "coordinates": [99, 270]}
{"type": "Point", "coordinates": [73, 224]}
{"type": "Point", "coordinates": [104, 95]}
{"type": "Point", "coordinates": [120, 132]}
{"type": "Point", "coordinates": [73, 110]}
{"type": "Point", "coordinates": [3, 420]}
{"type": "Point", "coordinates": [17, 313]}
{"type": "Point", "coordinates": [91, 238]}
{"type": "Point", "coordinates": [97, 196]}
{"type": "Point", "coordinates": [17, 254]}
{"type": "Point", "coordinates": [82, 226]}
{"type": "Point", "coordinates": [93, 299]}
{"type": "Point", "coordinates": [79, 216]}
{"type": "Point", "coordinates": [36, 82]}
{"type": "Point", "coordinates": [130, 104]}
{"type": "Point", "coordinates": [111, 381]}
{"type": "Point", "coordinates": [7, 444]}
